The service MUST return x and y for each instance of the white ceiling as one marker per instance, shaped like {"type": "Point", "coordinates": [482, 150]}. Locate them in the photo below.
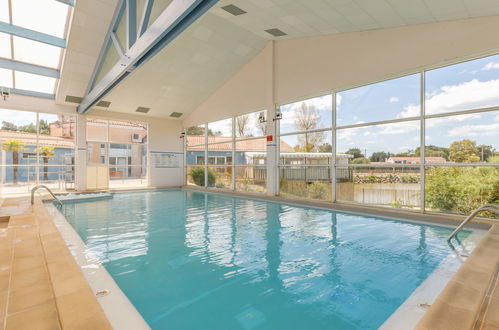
{"type": "Point", "coordinates": [216, 46]}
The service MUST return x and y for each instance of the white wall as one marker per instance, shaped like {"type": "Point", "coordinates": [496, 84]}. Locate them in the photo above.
{"type": "Point", "coordinates": [309, 67]}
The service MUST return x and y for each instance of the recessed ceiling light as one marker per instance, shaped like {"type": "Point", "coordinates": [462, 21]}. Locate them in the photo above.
{"type": "Point", "coordinates": [276, 32]}
{"type": "Point", "coordinates": [73, 99]}
{"type": "Point", "coordinates": [176, 114]}
{"type": "Point", "coordinates": [234, 10]}
{"type": "Point", "coordinates": [143, 109]}
{"type": "Point", "coordinates": [104, 104]}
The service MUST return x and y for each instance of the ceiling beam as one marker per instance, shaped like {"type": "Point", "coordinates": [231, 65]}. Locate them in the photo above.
{"type": "Point", "coordinates": [179, 15]}
{"type": "Point", "coordinates": [32, 35]}
{"type": "Point", "coordinates": [32, 93]}
{"type": "Point", "coordinates": [29, 68]}
{"type": "Point", "coordinates": [67, 2]}
{"type": "Point", "coordinates": [131, 23]}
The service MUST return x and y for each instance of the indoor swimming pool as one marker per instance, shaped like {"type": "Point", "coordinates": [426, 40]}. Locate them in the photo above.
{"type": "Point", "coordinates": [196, 260]}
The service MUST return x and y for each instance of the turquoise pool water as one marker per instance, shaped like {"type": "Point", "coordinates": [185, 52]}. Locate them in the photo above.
{"type": "Point", "coordinates": [192, 260]}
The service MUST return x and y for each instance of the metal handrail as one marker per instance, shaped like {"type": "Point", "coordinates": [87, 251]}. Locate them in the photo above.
{"type": "Point", "coordinates": [494, 208]}
{"type": "Point", "coordinates": [35, 188]}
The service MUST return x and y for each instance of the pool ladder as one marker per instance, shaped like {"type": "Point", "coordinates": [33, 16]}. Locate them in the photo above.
{"type": "Point", "coordinates": [35, 188]}
{"type": "Point", "coordinates": [494, 208]}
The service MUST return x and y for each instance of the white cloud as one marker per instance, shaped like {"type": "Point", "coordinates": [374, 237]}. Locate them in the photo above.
{"type": "Point", "coordinates": [394, 99]}
{"type": "Point", "coordinates": [468, 95]}
{"type": "Point", "coordinates": [474, 131]}
{"type": "Point", "coordinates": [497, 118]}
{"type": "Point", "coordinates": [410, 110]}
{"type": "Point", "coordinates": [17, 117]}
{"type": "Point", "coordinates": [491, 66]}
{"type": "Point", "coordinates": [399, 128]}
{"type": "Point", "coordinates": [452, 119]}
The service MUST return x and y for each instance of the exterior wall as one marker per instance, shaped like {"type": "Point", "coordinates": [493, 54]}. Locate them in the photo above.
{"type": "Point", "coordinates": [302, 68]}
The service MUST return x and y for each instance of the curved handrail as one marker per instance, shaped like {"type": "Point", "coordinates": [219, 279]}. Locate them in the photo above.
{"type": "Point", "coordinates": [494, 208]}
{"type": "Point", "coordinates": [35, 188]}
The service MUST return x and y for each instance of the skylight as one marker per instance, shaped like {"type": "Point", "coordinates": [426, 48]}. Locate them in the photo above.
{"type": "Point", "coordinates": [45, 16]}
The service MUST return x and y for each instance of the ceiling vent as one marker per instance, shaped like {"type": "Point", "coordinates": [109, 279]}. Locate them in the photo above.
{"type": "Point", "coordinates": [142, 109]}
{"type": "Point", "coordinates": [234, 10]}
{"type": "Point", "coordinates": [104, 104]}
{"type": "Point", "coordinates": [276, 32]}
{"type": "Point", "coordinates": [176, 114]}
{"type": "Point", "coordinates": [73, 99]}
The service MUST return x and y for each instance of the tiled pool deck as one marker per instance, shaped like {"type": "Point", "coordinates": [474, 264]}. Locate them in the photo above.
{"type": "Point", "coordinates": [41, 287]}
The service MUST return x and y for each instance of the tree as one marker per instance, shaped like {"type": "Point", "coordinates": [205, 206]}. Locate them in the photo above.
{"type": "Point", "coordinates": [326, 147]}
{"type": "Point", "coordinates": [486, 152]}
{"type": "Point", "coordinates": [433, 151]}
{"type": "Point", "coordinates": [355, 152]}
{"type": "Point", "coordinates": [242, 125]}
{"type": "Point", "coordinates": [307, 118]}
{"type": "Point", "coordinates": [198, 130]}
{"type": "Point", "coordinates": [6, 126]}
{"type": "Point", "coordinates": [46, 152]}
{"type": "Point", "coordinates": [262, 126]}
{"type": "Point", "coordinates": [379, 156]}
{"type": "Point", "coordinates": [44, 127]}
{"type": "Point", "coordinates": [464, 151]}
{"type": "Point", "coordinates": [360, 160]}
{"type": "Point", "coordinates": [14, 146]}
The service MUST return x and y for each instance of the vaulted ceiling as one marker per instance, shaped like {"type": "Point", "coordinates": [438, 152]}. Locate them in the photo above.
{"type": "Point", "coordinates": [205, 55]}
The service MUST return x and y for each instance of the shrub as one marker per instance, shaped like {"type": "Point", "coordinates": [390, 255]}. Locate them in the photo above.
{"type": "Point", "coordinates": [317, 190]}
{"type": "Point", "coordinates": [461, 189]}
{"type": "Point", "coordinates": [197, 175]}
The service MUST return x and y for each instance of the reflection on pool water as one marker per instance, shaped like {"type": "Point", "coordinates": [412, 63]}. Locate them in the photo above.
{"type": "Point", "coordinates": [193, 260]}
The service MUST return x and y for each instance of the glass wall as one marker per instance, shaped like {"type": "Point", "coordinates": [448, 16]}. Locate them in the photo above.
{"type": "Point", "coordinates": [122, 146]}
{"type": "Point", "coordinates": [37, 148]}
{"type": "Point", "coordinates": [425, 142]}
{"type": "Point", "coordinates": [234, 151]}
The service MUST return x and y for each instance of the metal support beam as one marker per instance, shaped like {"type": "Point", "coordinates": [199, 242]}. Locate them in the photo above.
{"type": "Point", "coordinates": [117, 44]}
{"type": "Point", "coordinates": [67, 2]}
{"type": "Point", "coordinates": [179, 15]}
{"type": "Point", "coordinates": [131, 23]}
{"type": "Point", "coordinates": [29, 68]}
{"type": "Point", "coordinates": [146, 14]}
{"type": "Point", "coordinates": [32, 93]}
{"type": "Point", "coordinates": [32, 35]}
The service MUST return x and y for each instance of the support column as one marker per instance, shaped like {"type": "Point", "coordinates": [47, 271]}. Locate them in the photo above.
{"type": "Point", "coordinates": [81, 153]}
{"type": "Point", "coordinates": [272, 129]}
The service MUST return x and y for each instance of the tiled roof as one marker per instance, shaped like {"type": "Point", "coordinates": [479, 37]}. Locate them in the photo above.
{"type": "Point", "coordinates": [30, 139]}
{"type": "Point", "coordinates": [224, 143]}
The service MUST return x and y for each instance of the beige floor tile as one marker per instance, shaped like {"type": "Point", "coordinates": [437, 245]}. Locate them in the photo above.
{"type": "Point", "coordinates": [24, 279]}
{"type": "Point", "coordinates": [78, 307]}
{"type": "Point", "coordinates": [442, 316]}
{"type": "Point", "coordinates": [3, 304]}
{"type": "Point", "coordinates": [27, 263]}
{"type": "Point", "coordinates": [42, 317]}
{"type": "Point", "coordinates": [492, 314]}
{"type": "Point", "coordinates": [30, 296]}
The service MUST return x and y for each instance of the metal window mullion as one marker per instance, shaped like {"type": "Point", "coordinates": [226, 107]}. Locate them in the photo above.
{"type": "Point", "coordinates": [206, 155]}
{"type": "Point", "coordinates": [37, 149]}
{"type": "Point", "coordinates": [277, 155]}
{"type": "Point", "coordinates": [333, 148]}
{"type": "Point", "coordinates": [233, 178]}
{"type": "Point", "coordinates": [422, 145]}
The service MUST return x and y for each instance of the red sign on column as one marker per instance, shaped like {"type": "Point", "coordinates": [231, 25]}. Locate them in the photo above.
{"type": "Point", "coordinates": [269, 138]}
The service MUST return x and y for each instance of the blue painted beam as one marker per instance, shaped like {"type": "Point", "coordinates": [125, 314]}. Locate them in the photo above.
{"type": "Point", "coordinates": [29, 68]}
{"type": "Point", "coordinates": [32, 35]}
{"type": "Point", "coordinates": [32, 93]}
{"type": "Point", "coordinates": [146, 14]}
{"type": "Point", "coordinates": [67, 2]}
{"type": "Point", "coordinates": [117, 44]}
{"type": "Point", "coordinates": [131, 22]}
{"type": "Point", "coordinates": [179, 15]}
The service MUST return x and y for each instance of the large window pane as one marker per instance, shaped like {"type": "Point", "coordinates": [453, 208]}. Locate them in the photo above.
{"type": "Point", "coordinates": [461, 189]}
{"type": "Point", "coordinates": [387, 143]}
{"type": "Point", "coordinates": [97, 130]}
{"type": "Point", "coordinates": [221, 128]}
{"type": "Point", "coordinates": [464, 86]}
{"type": "Point", "coordinates": [35, 52]}
{"type": "Point", "coordinates": [56, 140]}
{"type": "Point", "coordinates": [390, 99]}
{"type": "Point", "coordinates": [380, 186]}
{"type": "Point", "coordinates": [6, 78]}
{"type": "Point", "coordinates": [96, 153]}
{"type": "Point", "coordinates": [5, 46]}
{"type": "Point", "coordinates": [251, 168]}
{"type": "Point", "coordinates": [219, 156]}
{"type": "Point", "coordinates": [34, 82]}
{"type": "Point", "coordinates": [251, 125]}
{"type": "Point", "coordinates": [299, 146]}
{"type": "Point", "coordinates": [305, 181]}
{"type": "Point", "coordinates": [195, 135]}
{"type": "Point", "coordinates": [466, 138]}
{"type": "Point", "coordinates": [196, 176]}
{"type": "Point", "coordinates": [311, 114]}
{"type": "Point", "coordinates": [46, 16]}
{"type": "Point", "coordinates": [127, 132]}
